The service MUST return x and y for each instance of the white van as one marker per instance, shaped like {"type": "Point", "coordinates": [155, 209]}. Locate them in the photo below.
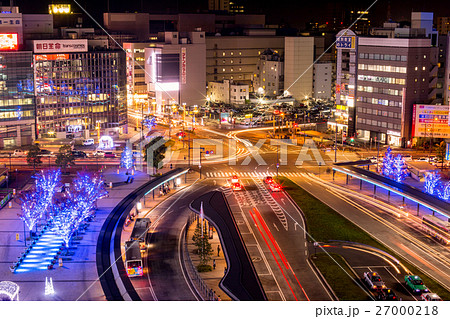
{"type": "Point", "coordinates": [89, 141]}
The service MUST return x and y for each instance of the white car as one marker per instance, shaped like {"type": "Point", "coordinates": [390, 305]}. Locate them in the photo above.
{"type": "Point", "coordinates": [430, 297]}
{"type": "Point", "coordinates": [98, 153]}
{"type": "Point", "coordinates": [374, 281]}
{"type": "Point", "coordinates": [19, 153]}
{"type": "Point", "coordinates": [88, 142]}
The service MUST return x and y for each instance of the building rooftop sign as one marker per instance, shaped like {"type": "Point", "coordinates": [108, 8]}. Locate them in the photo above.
{"type": "Point", "coordinates": [60, 46]}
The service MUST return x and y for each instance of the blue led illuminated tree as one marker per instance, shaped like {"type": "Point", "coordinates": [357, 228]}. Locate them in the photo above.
{"type": "Point", "coordinates": [432, 181]}
{"type": "Point", "coordinates": [387, 166]}
{"type": "Point", "coordinates": [37, 201]}
{"type": "Point", "coordinates": [126, 159]}
{"type": "Point", "coordinates": [149, 122]}
{"type": "Point", "coordinates": [399, 168]}
{"type": "Point", "coordinates": [66, 220]}
{"type": "Point", "coordinates": [30, 212]}
{"type": "Point", "coordinates": [444, 191]}
{"type": "Point", "coordinates": [87, 189]}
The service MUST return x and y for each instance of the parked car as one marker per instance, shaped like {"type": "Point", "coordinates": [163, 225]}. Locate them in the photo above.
{"type": "Point", "coordinates": [79, 154]}
{"type": "Point", "coordinates": [109, 155]}
{"type": "Point", "coordinates": [422, 159]}
{"type": "Point", "coordinates": [415, 284]}
{"type": "Point", "coordinates": [88, 142]}
{"type": "Point", "coordinates": [98, 153]}
{"type": "Point", "coordinates": [373, 280]}
{"type": "Point", "coordinates": [407, 157]}
{"type": "Point", "coordinates": [19, 153]}
{"type": "Point", "coordinates": [430, 297]}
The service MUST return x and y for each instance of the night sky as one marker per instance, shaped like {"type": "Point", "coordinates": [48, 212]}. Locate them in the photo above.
{"type": "Point", "coordinates": [288, 12]}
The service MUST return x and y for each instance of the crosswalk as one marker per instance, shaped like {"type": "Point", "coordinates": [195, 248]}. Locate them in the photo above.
{"type": "Point", "coordinates": [222, 174]}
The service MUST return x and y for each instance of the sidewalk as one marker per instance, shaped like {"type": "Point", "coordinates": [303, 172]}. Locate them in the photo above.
{"type": "Point", "coordinates": [212, 278]}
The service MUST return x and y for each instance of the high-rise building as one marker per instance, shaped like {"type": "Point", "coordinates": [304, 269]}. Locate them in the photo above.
{"type": "Point", "coordinates": [219, 5]}
{"type": "Point", "coordinates": [393, 74]}
{"type": "Point", "coordinates": [269, 74]}
{"type": "Point", "coordinates": [17, 116]}
{"type": "Point", "coordinates": [79, 92]}
{"type": "Point", "coordinates": [298, 67]}
{"type": "Point", "coordinates": [443, 25]}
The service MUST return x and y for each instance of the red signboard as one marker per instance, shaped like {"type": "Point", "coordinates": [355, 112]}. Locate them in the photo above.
{"type": "Point", "coordinates": [183, 65]}
{"type": "Point", "coordinates": [47, 57]}
{"type": "Point", "coordinates": [9, 41]}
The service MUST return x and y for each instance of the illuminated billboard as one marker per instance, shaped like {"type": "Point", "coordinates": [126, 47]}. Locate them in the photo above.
{"type": "Point", "coordinates": [430, 121]}
{"type": "Point", "coordinates": [60, 46]}
{"type": "Point", "coordinates": [9, 41]}
{"type": "Point", "coordinates": [59, 9]}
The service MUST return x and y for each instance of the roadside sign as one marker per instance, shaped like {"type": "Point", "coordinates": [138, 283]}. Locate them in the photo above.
{"type": "Point", "coordinates": [17, 236]}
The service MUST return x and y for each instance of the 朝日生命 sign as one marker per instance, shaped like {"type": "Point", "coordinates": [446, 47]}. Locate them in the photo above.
{"type": "Point", "coordinates": [58, 45]}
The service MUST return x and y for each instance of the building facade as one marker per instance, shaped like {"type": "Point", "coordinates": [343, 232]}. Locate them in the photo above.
{"type": "Point", "coordinates": [269, 74]}
{"type": "Point", "coordinates": [175, 69]}
{"type": "Point", "coordinates": [228, 92]}
{"type": "Point", "coordinates": [236, 57]}
{"type": "Point", "coordinates": [17, 102]}
{"type": "Point", "coordinates": [443, 25]}
{"type": "Point", "coordinates": [79, 93]}
{"type": "Point", "coordinates": [298, 70]}
{"type": "Point", "coordinates": [393, 74]}
{"type": "Point", "coordinates": [322, 80]}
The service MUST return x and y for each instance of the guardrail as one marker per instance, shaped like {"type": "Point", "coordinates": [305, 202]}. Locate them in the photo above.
{"type": "Point", "coordinates": [110, 267]}
{"type": "Point", "coordinates": [202, 288]}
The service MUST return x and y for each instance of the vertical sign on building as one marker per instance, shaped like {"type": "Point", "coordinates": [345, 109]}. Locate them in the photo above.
{"type": "Point", "coordinates": [183, 65]}
{"type": "Point", "coordinates": [403, 128]}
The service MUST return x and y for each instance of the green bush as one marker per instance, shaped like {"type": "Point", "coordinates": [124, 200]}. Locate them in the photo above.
{"type": "Point", "coordinates": [204, 268]}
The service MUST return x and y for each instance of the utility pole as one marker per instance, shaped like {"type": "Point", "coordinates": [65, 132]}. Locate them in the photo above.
{"type": "Point", "coordinates": [335, 143]}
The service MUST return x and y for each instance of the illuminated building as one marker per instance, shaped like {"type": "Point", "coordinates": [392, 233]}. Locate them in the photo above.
{"type": "Point", "coordinates": [16, 98]}
{"type": "Point", "coordinates": [443, 25]}
{"type": "Point", "coordinates": [175, 68]}
{"type": "Point", "coordinates": [79, 92]}
{"type": "Point", "coordinates": [228, 92]}
{"type": "Point", "coordinates": [269, 73]}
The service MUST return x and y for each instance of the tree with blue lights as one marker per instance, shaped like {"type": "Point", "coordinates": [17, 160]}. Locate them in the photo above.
{"type": "Point", "coordinates": [66, 220]}
{"type": "Point", "coordinates": [444, 192]}
{"type": "Point", "coordinates": [432, 181]}
{"type": "Point", "coordinates": [387, 166]}
{"type": "Point", "coordinates": [30, 212]}
{"type": "Point", "coordinates": [87, 189]}
{"type": "Point", "coordinates": [126, 159]}
{"type": "Point", "coordinates": [37, 201]}
{"type": "Point", "coordinates": [149, 122]}
{"type": "Point", "coordinates": [399, 168]}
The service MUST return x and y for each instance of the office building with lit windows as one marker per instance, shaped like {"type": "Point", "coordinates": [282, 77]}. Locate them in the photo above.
{"type": "Point", "coordinates": [393, 74]}
{"type": "Point", "coordinates": [269, 74]}
{"type": "Point", "coordinates": [17, 120]}
{"type": "Point", "coordinates": [79, 93]}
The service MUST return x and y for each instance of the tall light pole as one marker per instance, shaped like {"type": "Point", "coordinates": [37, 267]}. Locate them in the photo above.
{"type": "Point", "coordinates": [335, 143]}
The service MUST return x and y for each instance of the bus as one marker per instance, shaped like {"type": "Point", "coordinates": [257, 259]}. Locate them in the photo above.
{"type": "Point", "coordinates": [133, 259]}
{"type": "Point", "coordinates": [438, 229]}
{"type": "Point", "coordinates": [140, 230]}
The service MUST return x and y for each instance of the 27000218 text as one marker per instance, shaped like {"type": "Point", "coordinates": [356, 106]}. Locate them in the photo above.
{"type": "Point", "coordinates": [407, 310]}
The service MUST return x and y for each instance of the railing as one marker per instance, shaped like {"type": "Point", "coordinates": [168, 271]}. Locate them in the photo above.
{"type": "Point", "coordinates": [204, 291]}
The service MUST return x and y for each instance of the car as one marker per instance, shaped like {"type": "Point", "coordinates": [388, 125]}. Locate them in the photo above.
{"type": "Point", "coordinates": [109, 155]}
{"type": "Point", "coordinates": [373, 159]}
{"type": "Point", "coordinates": [422, 159]}
{"type": "Point", "coordinates": [373, 280]}
{"type": "Point", "coordinates": [19, 153]}
{"type": "Point", "coordinates": [430, 297]}
{"type": "Point", "coordinates": [274, 187]}
{"type": "Point", "coordinates": [268, 180]}
{"type": "Point", "coordinates": [88, 142]}
{"type": "Point", "coordinates": [98, 153]}
{"type": "Point", "coordinates": [387, 294]}
{"type": "Point", "coordinates": [407, 157]}
{"type": "Point", "coordinates": [415, 284]}
{"type": "Point", "coordinates": [234, 179]}
{"type": "Point", "coordinates": [46, 153]}
{"type": "Point", "coordinates": [236, 186]}
{"type": "Point", "coordinates": [79, 154]}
